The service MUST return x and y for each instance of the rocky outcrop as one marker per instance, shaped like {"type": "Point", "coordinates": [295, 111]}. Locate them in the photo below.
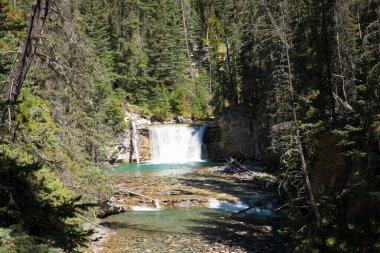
{"type": "Point", "coordinates": [108, 208]}
{"type": "Point", "coordinates": [237, 129]}
{"type": "Point", "coordinates": [125, 147]}
{"type": "Point", "coordinates": [126, 154]}
{"type": "Point", "coordinates": [212, 144]}
{"type": "Point", "coordinates": [330, 169]}
{"type": "Point", "coordinates": [238, 134]}
{"type": "Point", "coordinates": [143, 143]}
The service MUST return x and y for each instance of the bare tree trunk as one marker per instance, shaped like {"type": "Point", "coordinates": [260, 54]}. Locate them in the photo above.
{"type": "Point", "coordinates": [359, 24]}
{"type": "Point", "coordinates": [185, 30]}
{"type": "Point", "coordinates": [232, 83]}
{"type": "Point", "coordinates": [339, 54]}
{"type": "Point", "coordinates": [326, 45]}
{"type": "Point", "coordinates": [281, 33]}
{"type": "Point", "coordinates": [186, 37]}
{"type": "Point", "coordinates": [24, 59]}
{"type": "Point", "coordinates": [210, 80]}
{"type": "Point", "coordinates": [298, 136]}
{"type": "Point", "coordinates": [134, 140]}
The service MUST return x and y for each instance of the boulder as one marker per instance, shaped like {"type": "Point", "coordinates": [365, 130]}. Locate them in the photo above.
{"type": "Point", "coordinates": [108, 208]}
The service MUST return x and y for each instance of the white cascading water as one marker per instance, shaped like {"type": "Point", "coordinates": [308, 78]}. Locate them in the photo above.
{"type": "Point", "coordinates": [176, 144]}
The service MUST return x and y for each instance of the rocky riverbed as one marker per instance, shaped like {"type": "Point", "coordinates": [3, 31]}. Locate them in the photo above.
{"type": "Point", "coordinates": [184, 223]}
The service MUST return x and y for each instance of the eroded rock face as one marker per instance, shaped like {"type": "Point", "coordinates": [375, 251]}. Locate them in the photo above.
{"type": "Point", "coordinates": [124, 148]}
{"type": "Point", "coordinates": [127, 155]}
{"type": "Point", "coordinates": [238, 134]}
{"type": "Point", "coordinates": [143, 143]}
{"type": "Point", "coordinates": [212, 148]}
{"type": "Point", "coordinates": [330, 170]}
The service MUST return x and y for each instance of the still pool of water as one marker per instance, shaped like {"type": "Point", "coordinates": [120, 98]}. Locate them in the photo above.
{"type": "Point", "coordinates": [158, 169]}
{"type": "Point", "coordinates": [164, 220]}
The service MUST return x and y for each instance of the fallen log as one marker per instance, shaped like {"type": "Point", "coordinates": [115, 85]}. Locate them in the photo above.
{"type": "Point", "coordinates": [144, 196]}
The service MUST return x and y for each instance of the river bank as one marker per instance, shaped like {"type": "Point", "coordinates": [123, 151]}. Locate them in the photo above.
{"type": "Point", "coordinates": [194, 213]}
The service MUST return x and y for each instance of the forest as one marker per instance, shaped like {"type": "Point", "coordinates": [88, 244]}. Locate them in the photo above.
{"type": "Point", "coordinates": [70, 69]}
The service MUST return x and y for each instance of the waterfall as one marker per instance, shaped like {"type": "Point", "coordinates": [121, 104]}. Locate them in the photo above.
{"type": "Point", "coordinates": [176, 144]}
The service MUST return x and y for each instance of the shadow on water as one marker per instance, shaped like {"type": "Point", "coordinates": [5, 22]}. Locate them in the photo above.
{"type": "Point", "coordinates": [246, 191]}
{"type": "Point", "coordinates": [253, 234]}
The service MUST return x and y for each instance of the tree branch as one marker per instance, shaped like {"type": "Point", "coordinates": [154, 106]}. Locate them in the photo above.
{"type": "Point", "coordinates": [24, 59]}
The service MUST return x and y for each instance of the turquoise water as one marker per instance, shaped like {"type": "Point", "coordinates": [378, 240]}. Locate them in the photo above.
{"type": "Point", "coordinates": [158, 169]}
{"type": "Point", "coordinates": [164, 220]}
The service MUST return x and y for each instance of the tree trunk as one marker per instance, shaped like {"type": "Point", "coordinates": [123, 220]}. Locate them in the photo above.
{"type": "Point", "coordinates": [134, 139]}
{"type": "Point", "coordinates": [24, 59]}
{"type": "Point", "coordinates": [339, 54]}
{"type": "Point", "coordinates": [326, 49]}
{"type": "Point", "coordinates": [281, 33]}
{"type": "Point", "coordinates": [186, 37]}
{"type": "Point", "coordinates": [234, 98]}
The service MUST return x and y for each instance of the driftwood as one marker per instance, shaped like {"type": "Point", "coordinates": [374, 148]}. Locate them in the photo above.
{"type": "Point", "coordinates": [257, 204]}
{"type": "Point", "coordinates": [243, 211]}
{"type": "Point", "coordinates": [233, 166]}
{"type": "Point", "coordinates": [144, 196]}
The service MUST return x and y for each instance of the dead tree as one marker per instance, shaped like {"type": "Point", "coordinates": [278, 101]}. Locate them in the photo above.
{"type": "Point", "coordinates": [186, 38]}
{"type": "Point", "coordinates": [280, 30]}
{"type": "Point", "coordinates": [134, 141]}
{"type": "Point", "coordinates": [24, 59]}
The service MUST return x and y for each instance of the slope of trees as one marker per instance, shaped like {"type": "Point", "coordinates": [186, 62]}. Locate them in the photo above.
{"type": "Point", "coordinates": [305, 67]}
{"type": "Point", "coordinates": [314, 63]}
{"type": "Point", "coordinates": [57, 133]}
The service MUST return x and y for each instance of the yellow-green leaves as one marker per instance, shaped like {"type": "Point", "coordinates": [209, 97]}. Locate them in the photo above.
{"type": "Point", "coordinates": [35, 122]}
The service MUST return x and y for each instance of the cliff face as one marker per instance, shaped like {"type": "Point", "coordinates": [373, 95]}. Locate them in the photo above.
{"type": "Point", "coordinates": [238, 134]}
{"type": "Point", "coordinates": [143, 143]}
{"type": "Point", "coordinates": [212, 144]}
{"type": "Point", "coordinates": [235, 133]}
{"type": "Point", "coordinates": [329, 169]}
{"type": "Point", "coordinates": [126, 153]}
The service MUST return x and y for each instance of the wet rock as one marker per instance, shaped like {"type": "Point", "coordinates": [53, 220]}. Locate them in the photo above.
{"type": "Point", "coordinates": [179, 119]}
{"type": "Point", "coordinates": [265, 229]}
{"type": "Point", "coordinates": [181, 203]}
{"type": "Point", "coordinates": [167, 192]}
{"type": "Point", "coordinates": [108, 208]}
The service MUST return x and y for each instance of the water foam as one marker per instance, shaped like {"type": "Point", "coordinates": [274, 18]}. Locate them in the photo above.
{"type": "Point", "coordinates": [176, 144]}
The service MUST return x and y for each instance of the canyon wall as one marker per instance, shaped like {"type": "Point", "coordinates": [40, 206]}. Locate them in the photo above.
{"type": "Point", "coordinates": [239, 134]}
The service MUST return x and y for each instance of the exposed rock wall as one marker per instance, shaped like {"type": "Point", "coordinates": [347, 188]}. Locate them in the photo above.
{"type": "Point", "coordinates": [143, 143]}
{"type": "Point", "coordinates": [238, 134]}
{"type": "Point", "coordinates": [329, 169]}
{"type": "Point", "coordinates": [212, 144]}
{"type": "Point", "coordinates": [126, 154]}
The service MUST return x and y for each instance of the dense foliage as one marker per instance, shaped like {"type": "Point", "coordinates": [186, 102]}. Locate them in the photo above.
{"type": "Point", "coordinates": [54, 138]}
{"type": "Point", "coordinates": [307, 68]}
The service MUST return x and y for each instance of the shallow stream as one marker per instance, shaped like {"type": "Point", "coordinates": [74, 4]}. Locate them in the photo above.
{"type": "Point", "coordinates": [166, 229]}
